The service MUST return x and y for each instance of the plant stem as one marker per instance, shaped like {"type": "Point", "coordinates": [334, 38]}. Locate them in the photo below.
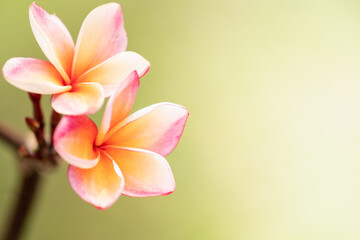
{"type": "Point", "coordinates": [24, 203]}
{"type": "Point", "coordinates": [39, 117]}
{"type": "Point", "coordinates": [31, 165]}
{"type": "Point", "coordinates": [55, 119]}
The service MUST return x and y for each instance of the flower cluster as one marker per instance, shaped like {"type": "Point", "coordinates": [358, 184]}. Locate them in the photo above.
{"type": "Point", "coordinates": [126, 154]}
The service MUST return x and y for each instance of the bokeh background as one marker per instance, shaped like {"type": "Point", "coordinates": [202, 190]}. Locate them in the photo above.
{"type": "Point", "coordinates": [271, 147]}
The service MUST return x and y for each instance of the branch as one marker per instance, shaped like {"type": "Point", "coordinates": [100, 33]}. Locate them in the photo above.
{"type": "Point", "coordinates": [10, 136]}
{"type": "Point", "coordinates": [22, 206]}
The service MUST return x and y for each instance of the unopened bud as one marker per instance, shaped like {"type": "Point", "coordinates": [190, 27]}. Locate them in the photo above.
{"type": "Point", "coordinates": [23, 152]}
{"type": "Point", "coordinates": [33, 124]}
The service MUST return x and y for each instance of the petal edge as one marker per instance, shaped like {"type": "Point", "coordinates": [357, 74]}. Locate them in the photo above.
{"type": "Point", "coordinates": [74, 141]}
{"type": "Point", "coordinates": [84, 98]}
{"type": "Point", "coordinates": [53, 38]}
{"type": "Point", "coordinates": [146, 173]}
{"type": "Point", "coordinates": [110, 38]}
{"type": "Point", "coordinates": [34, 75]}
{"type": "Point", "coordinates": [100, 186]}
{"type": "Point", "coordinates": [156, 128]}
{"type": "Point", "coordinates": [119, 105]}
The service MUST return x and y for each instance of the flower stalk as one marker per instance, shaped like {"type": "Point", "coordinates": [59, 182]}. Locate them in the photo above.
{"type": "Point", "coordinates": [32, 165]}
{"type": "Point", "coordinates": [55, 119]}
{"type": "Point", "coordinates": [37, 123]}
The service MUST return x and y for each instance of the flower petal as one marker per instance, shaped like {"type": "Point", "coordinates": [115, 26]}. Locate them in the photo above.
{"type": "Point", "coordinates": [74, 141]}
{"type": "Point", "coordinates": [113, 71]}
{"type": "Point", "coordinates": [101, 36]}
{"type": "Point", "coordinates": [146, 173]}
{"type": "Point", "coordinates": [101, 185]}
{"type": "Point", "coordinates": [157, 128]}
{"type": "Point", "coordinates": [119, 105]}
{"type": "Point", "coordinates": [53, 38]}
{"type": "Point", "coordinates": [34, 75]}
{"type": "Point", "coordinates": [84, 98]}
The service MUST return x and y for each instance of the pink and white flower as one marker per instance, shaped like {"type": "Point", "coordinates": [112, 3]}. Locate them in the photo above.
{"type": "Point", "coordinates": [126, 155]}
{"type": "Point", "coordinates": [79, 76]}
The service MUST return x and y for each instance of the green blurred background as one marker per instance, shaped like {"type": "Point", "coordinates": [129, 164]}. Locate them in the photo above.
{"type": "Point", "coordinates": [271, 147]}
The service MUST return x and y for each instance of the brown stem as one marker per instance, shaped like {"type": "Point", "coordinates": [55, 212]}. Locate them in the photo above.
{"type": "Point", "coordinates": [39, 117]}
{"type": "Point", "coordinates": [22, 206]}
{"type": "Point", "coordinates": [38, 114]}
{"type": "Point", "coordinates": [31, 166]}
{"type": "Point", "coordinates": [55, 119]}
{"type": "Point", "coordinates": [10, 136]}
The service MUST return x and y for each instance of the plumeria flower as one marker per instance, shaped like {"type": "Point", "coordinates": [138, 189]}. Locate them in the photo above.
{"type": "Point", "coordinates": [126, 155]}
{"type": "Point", "coordinates": [79, 76]}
